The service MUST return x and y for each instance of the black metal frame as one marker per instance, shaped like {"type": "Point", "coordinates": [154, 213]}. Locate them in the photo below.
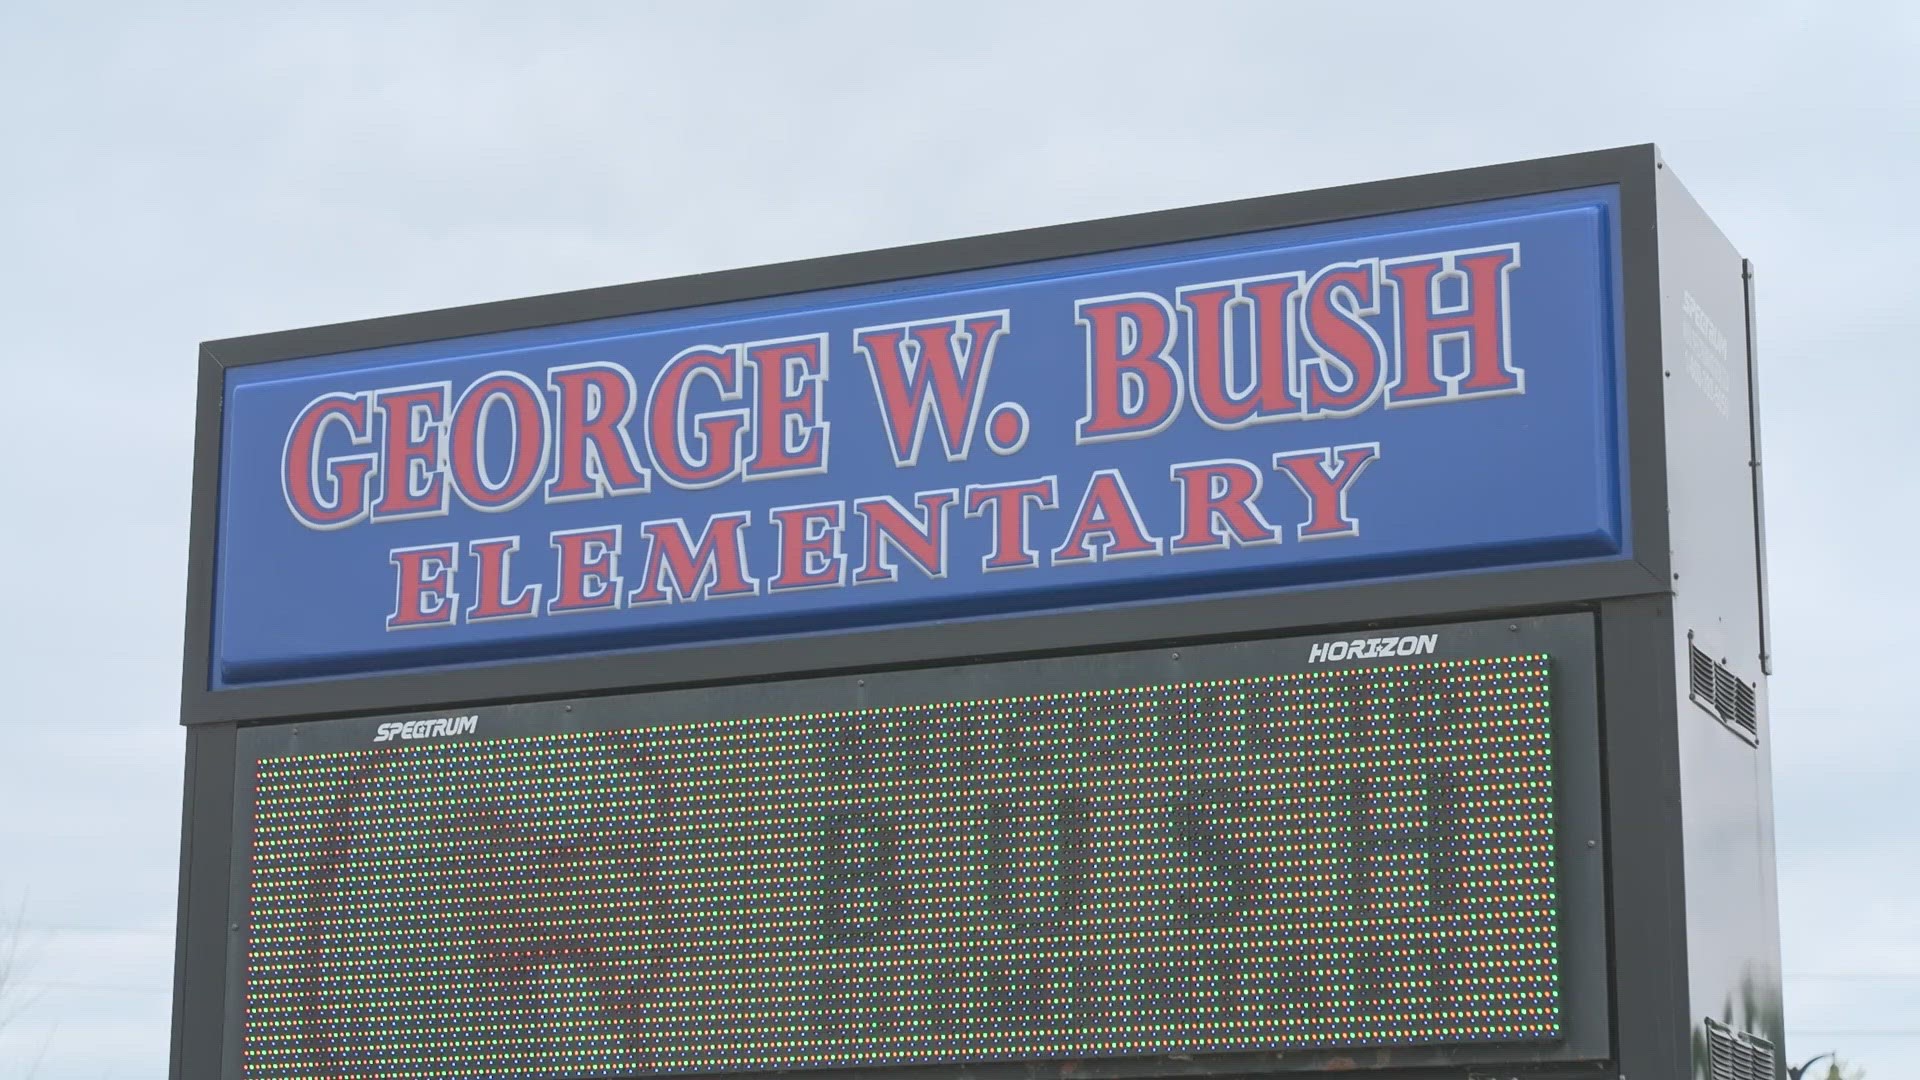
{"type": "Point", "coordinates": [1641, 783]}
{"type": "Point", "coordinates": [1630, 169]}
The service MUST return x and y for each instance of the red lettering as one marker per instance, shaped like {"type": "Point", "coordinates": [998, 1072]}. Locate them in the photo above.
{"type": "Point", "coordinates": [1336, 301]}
{"type": "Point", "coordinates": [936, 369]}
{"type": "Point", "coordinates": [672, 433]}
{"type": "Point", "coordinates": [349, 477]}
{"type": "Point", "coordinates": [423, 592]}
{"type": "Point", "coordinates": [682, 569]}
{"type": "Point", "coordinates": [589, 577]}
{"type": "Point", "coordinates": [889, 526]}
{"type": "Point", "coordinates": [1107, 511]}
{"type": "Point", "coordinates": [1214, 494]}
{"type": "Point", "coordinates": [1324, 477]}
{"type": "Point", "coordinates": [789, 436]}
{"type": "Point", "coordinates": [594, 456]}
{"type": "Point", "coordinates": [411, 483]}
{"type": "Point", "coordinates": [470, 447]}
{"type": "Point", "coordinates": [1008, 505]}
{"type": "Point", "coordinates": [1133, 384]}
{"type": "Point", "coordinates": [1211, 364]}
{"type": "Point", "coordinates": [810, 547]}
{"type": "Point", "coordinates": [1481, 319]}
{"type": "Point", "coordinates": [493, 565]}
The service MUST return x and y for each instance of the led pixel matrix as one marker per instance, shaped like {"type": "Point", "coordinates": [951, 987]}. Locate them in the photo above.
{"type": "Point", "coordinates": [1346, 858]}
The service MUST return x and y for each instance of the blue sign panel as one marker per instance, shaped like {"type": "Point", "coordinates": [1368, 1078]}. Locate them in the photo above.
{"type": "Point", "coordinates": [1424, 393]}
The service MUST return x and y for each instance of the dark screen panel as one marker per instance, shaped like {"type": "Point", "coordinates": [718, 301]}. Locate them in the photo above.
{"type": "Point", "coordinates": [1360, 857]}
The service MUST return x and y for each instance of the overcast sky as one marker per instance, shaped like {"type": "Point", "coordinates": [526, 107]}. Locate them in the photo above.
{"type": "Point", "coordinates": [169, 178]}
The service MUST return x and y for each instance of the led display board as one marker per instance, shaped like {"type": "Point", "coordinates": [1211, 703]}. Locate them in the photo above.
{"type": "Point", "coordinates": [1256, 848]}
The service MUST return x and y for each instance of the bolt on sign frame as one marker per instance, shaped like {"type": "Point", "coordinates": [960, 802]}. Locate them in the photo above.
{"type": "Point", "coordinates": [1318, 632]}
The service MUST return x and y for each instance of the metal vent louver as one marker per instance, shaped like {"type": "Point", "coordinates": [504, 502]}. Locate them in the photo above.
{"type": "Point", "coordinates": [1737, 1055]}
{"type": "Point", "coordinates": [1722, 693]}
{"type": "Point", "coordinates": [1700, 673]}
